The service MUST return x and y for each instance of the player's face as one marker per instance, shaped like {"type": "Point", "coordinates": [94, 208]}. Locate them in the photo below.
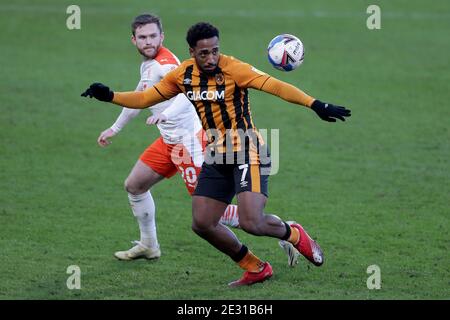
{"type": "Point", "coordinates": [206, 54]}
{"type": "Point", "coordinates": [148, 39]}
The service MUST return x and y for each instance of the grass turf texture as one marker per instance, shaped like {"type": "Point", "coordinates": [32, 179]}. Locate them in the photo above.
{"type": "Point", "coordinates": [372, 191]}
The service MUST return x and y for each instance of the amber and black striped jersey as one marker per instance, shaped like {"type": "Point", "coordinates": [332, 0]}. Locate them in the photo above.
{"type": "Point", "coordinates": [220, 99]}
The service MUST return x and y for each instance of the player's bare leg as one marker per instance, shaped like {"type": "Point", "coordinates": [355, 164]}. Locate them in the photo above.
{"type": "Point", "coordinates": [141, 178]}
{"type": "Point", "coordinates": [230, 218]}
{"type": "Point", "coordinates": [260, 223]}
{"type": "Point", "coordinates": [138, 183]}
{"type": "Point", "coordinates": [253, 220]}
{"type": "Point", "coordinates": [206, 215]}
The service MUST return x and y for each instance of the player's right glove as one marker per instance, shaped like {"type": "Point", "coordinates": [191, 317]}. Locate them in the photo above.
{"type": "Point", "coordinates": [329, 112]}
{"type": "Point", "coordinates": [99, 91]}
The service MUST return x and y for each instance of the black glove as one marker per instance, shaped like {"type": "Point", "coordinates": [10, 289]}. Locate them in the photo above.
{"type": "Point", "coordinates": [329, 112]}
{"type": "Point", "coordinates": [99, 91]}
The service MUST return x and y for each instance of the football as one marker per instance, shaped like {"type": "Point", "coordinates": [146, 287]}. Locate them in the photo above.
{"type": "Point", "coordinates": [286, 52]}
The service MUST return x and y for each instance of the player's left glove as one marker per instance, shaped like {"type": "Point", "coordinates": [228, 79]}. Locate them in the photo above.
{"type": "Point", "coordinates": [99, 91]}
{"type": "Point", "coordinates": [329, 112]}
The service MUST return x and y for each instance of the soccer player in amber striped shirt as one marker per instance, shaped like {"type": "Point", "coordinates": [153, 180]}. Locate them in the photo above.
{"type": "Point", "coordinates": [217, 86]}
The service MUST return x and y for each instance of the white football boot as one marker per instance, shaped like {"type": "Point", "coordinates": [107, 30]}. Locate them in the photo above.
{"type": "Point", "coordinates": [290, 251]}
{"type": "Point", "coordinates": [138, 251]}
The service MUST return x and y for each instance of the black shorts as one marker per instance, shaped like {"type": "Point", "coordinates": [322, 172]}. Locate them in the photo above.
{"type": "Point", "coordinates": [223, 181]}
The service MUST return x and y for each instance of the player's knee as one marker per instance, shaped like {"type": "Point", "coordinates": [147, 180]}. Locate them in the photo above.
{"type": "Point", "coordinates": [196, 228]}
{"type": "Point", "coordinates": [200, 228]}
{"type": "Point", "coordinates": [128, 186]}
{"type": "Point", "coordinates": [133, 188]}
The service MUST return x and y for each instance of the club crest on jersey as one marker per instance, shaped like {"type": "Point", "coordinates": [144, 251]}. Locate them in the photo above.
{"type": "Point", "coordinates": [220, 79]}
{"type": "Point", "coordinates": [187, 81]}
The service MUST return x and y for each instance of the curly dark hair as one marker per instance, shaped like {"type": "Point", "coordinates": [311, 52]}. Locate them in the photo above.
{"type": "Point", "coordinates": [200, 31]}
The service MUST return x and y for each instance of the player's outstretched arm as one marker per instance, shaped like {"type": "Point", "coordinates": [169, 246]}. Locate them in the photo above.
{"type": "Point", "coordinates": [99, 91]}
{"type": "Point", "coordinates": [133, 99]}
{"type": "Point", "coordinates": [330, 112]}
{"type": "Point", "coordinates": [326, 111]}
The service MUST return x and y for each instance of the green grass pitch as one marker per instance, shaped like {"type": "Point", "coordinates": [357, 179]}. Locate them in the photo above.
{"type": "Point", "coordinates": [373, 191]}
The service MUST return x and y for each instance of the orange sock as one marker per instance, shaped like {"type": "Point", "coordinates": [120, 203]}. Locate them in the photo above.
{"type": "Point", "coordinates": [251, 263]}
{"type": "Point", "coordinates": [295, 236]}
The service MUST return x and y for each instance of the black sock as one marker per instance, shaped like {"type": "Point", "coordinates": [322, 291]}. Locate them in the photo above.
{"type": "Point", "coordinates": [241, 254]}
{"type": "Point", "coordinates": [288, 232]}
